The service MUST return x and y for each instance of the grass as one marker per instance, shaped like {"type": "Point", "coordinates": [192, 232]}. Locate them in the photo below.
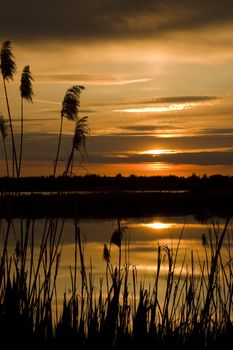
{"type": "Point", "coordinates": [195, 311]}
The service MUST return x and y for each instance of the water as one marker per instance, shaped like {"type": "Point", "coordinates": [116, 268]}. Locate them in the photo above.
{"type": "Point", "coordinates": [144, 236]}
{"type": "Point", "coordinates": [102, 192]}
{"type": "Point", "coordinates": [139, 248]}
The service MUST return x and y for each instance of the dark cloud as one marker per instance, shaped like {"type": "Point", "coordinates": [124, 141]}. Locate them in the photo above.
{"type": "Point", "coordinates": [115, 149]}
{"type": "Point", "coordinates": [159, 100]}
{"type": "Point", "coordinates": [199, 158]}
{"type": "Point", "coordinates": [218, 131]}
{"type": "Point", "coordinates": [182, 99]}
{"type": "Point", "coordinates": [150, 128]}
{"type": "Point", "coordinates": [119, 144]}
{"type": "Point", "coordinates": [143, 129]}
{"type": "Point", "coordinates": [194, 158]}
{"type": "Point", "coordinates": [147, 128]}
{"type": "Point", "coordinates": [108, 19]}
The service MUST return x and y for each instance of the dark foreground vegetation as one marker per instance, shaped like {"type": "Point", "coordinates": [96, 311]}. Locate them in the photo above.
{"type": "Point", "coordinates": [195, 311]}
{"type": "Point", "coordinates": [115, 183]}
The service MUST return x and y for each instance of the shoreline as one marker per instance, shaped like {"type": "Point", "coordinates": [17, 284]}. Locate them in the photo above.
{"type": "Point", "coordinates": [121, 204]}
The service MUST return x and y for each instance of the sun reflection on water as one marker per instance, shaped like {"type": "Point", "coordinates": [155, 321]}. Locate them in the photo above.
{"type": "Point", "coordinates": [157, 225]}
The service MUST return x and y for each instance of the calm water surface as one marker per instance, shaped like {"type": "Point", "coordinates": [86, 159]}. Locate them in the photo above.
{"type": "Point", "coordinates": [144, 236]}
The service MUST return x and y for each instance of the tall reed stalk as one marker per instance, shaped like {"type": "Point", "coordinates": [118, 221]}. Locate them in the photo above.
{"type": "Point", "coordinates": [27, 94]}
{"type": "Point", "coordinates": [4, 133]}
{"type": "Point", "coordinates": [8, 69]}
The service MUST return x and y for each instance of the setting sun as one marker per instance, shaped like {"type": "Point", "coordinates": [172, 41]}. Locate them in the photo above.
{"type": "Point", "coordinates": [158, 151]}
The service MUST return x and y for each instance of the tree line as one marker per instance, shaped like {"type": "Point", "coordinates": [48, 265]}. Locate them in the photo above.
{"type": "Point", "coordinates": [118, 182]}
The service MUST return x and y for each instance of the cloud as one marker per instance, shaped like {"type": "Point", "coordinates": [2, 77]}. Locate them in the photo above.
{"type": "Point", "coordinates": [142, 129]}
{"type": "Point", "coordinates": [174, 100]}
{"type": "Point", "coordinates": [31, 120]}
{"type": "Point", "coordinates": [161, 109]}
{"type": "Point", "coordinates": [87, 79]}
{"type": "Point", "coordinates": [150, 128]}
{"type": "Point", "coordinates": [217, 131]}
{"type": "Point", "coordinates": [58, 112]}
{"type": "Point", "coordinates": [126, 149]}
{"type": "Point", "coordinates": [181, 99]}
{"type": "Point", "coordinates": [123, 143]}
{"type": "Point", "coordinates": [194, 158]}
{"type": "Point", "coordinates": [108, 19]}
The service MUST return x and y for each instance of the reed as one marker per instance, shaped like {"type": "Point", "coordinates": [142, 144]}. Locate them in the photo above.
{"type": "Point", "coordinates": [196, 310]}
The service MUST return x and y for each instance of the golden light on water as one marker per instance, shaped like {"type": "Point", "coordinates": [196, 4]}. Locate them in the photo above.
{"type": "Point", "coordinates": [157, 225]}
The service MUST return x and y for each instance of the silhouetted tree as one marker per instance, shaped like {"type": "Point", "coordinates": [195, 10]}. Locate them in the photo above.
{"type": "Point", "coordinates": [70, 108]}
{"type": "Point", "coordinates": [8, 69]}
{"type": "Point", "coordinates": [27, 94]}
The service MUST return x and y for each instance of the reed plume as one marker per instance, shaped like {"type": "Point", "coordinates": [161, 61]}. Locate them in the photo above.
{"type": "Point", "coordinates": [8, 69]}
{"type": "Point", "coordinates": [70, 109]}
{"type": "Point", "coordinates": [27, 94]}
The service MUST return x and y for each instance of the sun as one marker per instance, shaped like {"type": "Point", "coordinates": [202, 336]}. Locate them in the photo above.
{"type": "Point", "coordinates": [157, 152]}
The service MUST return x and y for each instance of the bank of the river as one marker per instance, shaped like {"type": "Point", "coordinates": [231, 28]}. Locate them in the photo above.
{"type": "Point", "coordinates": [118, 204]}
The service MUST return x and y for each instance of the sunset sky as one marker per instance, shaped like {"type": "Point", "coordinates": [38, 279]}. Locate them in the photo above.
{"type": "Point", "coordinates": [158, 77]}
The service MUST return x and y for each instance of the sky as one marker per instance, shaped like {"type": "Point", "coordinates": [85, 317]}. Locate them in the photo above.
{"type": "Point", "coordinates": [158, 76]}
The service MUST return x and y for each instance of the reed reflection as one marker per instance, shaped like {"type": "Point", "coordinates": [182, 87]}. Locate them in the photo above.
{"type": "Point", "coordinates": [141, 245]}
